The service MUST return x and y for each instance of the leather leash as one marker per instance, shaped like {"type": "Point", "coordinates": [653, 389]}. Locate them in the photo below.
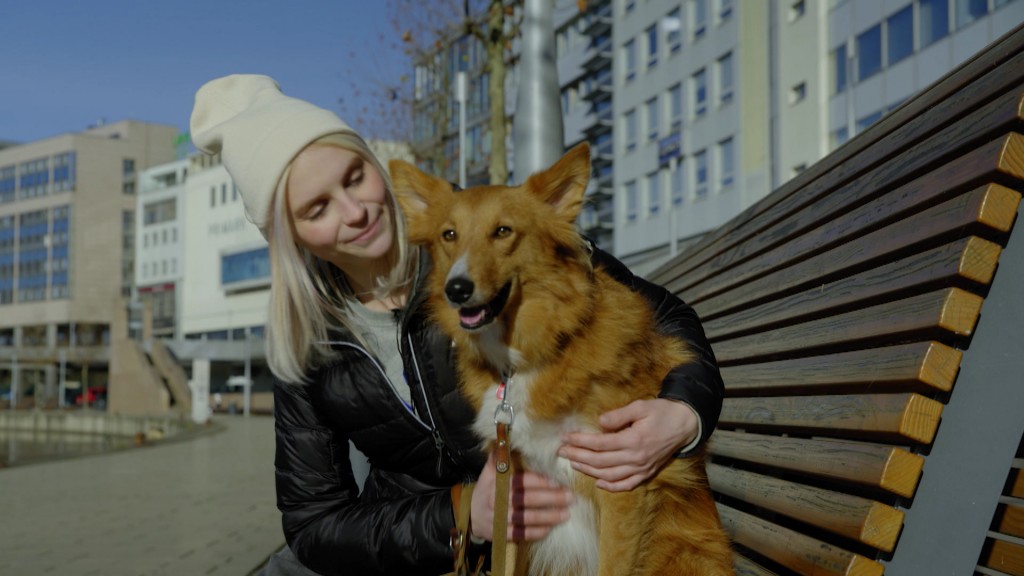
{"type": "Point", "coordinates": [504, 553]}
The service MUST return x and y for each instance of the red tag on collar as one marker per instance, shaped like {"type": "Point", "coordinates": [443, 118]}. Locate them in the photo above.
{"type": "Point", "coordinates": [501, 391]}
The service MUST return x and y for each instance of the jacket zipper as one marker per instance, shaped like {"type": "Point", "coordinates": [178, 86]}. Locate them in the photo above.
{"type": "Point", "coordinates": [434, 431]}
{"type": "Point", "coordinates": [432, 428]}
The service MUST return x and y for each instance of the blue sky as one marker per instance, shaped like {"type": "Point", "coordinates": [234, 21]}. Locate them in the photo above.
{"type": "Point", "coordinates": [64, 64]}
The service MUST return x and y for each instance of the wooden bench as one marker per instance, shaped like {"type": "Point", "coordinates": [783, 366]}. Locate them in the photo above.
{"type": "Point", "coordinates": [868, 317]}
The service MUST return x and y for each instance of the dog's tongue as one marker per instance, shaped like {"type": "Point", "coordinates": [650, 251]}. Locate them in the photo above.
{"type": "Point", "coordinates": [472, 316]}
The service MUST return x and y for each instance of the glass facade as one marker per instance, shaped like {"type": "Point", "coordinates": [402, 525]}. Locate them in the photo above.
{"type": "Point", "coordinates": [244, 268]}
{"type": "Point", "coordinates": [59, 252]}
{"type": "Point", "coordinates": [33, 228]}
{"type": "Point", "coordinates": [6, 259]}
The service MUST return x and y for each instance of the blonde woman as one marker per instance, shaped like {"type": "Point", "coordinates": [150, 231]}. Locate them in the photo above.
{"type": "Point", "coordinates": [355, 359]}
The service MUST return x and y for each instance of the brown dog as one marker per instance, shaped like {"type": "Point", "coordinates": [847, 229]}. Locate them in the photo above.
{"type": "Point", "coordinates": [562, 342]}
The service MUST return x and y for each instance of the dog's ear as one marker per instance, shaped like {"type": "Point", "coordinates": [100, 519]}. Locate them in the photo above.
{"type": "Point", "coordinates": [413, 188]}
{"type": "Point", "coordinates": [564, 184]}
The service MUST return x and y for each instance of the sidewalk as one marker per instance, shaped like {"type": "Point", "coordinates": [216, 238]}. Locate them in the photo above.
{"type": "Point", "coordinates": [195, 506]}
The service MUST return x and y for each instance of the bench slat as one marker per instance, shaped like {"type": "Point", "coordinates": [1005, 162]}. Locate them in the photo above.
{"type": "Point", "coordinates": [1005, 557]}
{"type": "Point", "coordinates": [800, 261]}
{"type": "Point", "coordinates": [860, 519]}
{"type": "Point", "coordinates": [886, 467]}
{"type": "Point", "coordinates": [1017, 483]}
{"type": "Point", "coordinates": [747, 567]}
{"type": "Point", "coordinates": [809, 207]}
{"type": "Point", "coordinates": [898, 417]}
{"type": "Point", "coordinates": [1010, 520]}
{"type": "Point", "coordinates": [915, 367]}
{"type": "Point", "coordinates": [952, 312]}
{"type": "Point", "coordinates": [965, 262]}
{"type": "Point", "coordinates": [795, 551]}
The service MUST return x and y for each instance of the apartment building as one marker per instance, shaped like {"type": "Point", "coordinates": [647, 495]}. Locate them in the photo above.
{"type": "Point", "coordinates": [67, 249]}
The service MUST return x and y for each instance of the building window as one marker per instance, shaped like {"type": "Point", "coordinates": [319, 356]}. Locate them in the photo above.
{"type": "Point", "coordinates": [700, 93]}
{"type": "Point", "coordinates": [700, 18]}
{"type": "Point", "coordinates": [652, 119]}
{"type": "Point", "coordinates": [798, 93]}
{"type": "Point", "coordinates": [64, 172]}
{"type": "Point", "coordinates": [213, 196]}
{"type": "Point", "coordinates": [33, 254]}
{"type": "Point", "coordinates": [968, 11]}
{"type": "Point", "coordinates": [34, 178]}
{"type": "Point", "coordinates": [629, 50]}
{"type": "Point", "coordinates": [701, 173]}
{"type": "Point", "coordinates": [839, 69]}
{"type": "Point", "coordinates": [797, 10]}
{"type": "Point", "coordinates": [632, 200]}
{"type": "Point", "coordinates": [652, 46]}
{"type": "Point", "coordinates": [725, 79]}
{"type": "Point", "coordinates": [6, 259]}
{"type": "Point", "coordinates": [673, 24]}
{"type": "Point", "coordinates": [899, 33]}
{"type": "Point", "coordinates": [247, 269]}
{"type": "Point", "coordinates": [128, 167]}
{"type": "Point", "coordinates": [724, 10]}
{"type": "Point", "coordinates": [839, 137]}
{"type": "Point", "coordinates": [59, 245]}
{"type": "Point", "coordinates": [864, 122]}
{"type": "Point", "coordinates": [629, 6]}
{"type": "Point", "coordinates": [630, 130]}
{"type": "Point", "coordinates": [8, 184]}
{"type": "Point", "coordinates": [869, 52]}
{"type": "Point", "coordinates": [675, 106]}
{"type": "Point", "coordinates": [934, 25]}
{"type": "Point", "coordinates": [726, 162]}
{"type": "Point", "coordinates": [653, 193]}
{"type": "Point", "coordinates": [159, 212]}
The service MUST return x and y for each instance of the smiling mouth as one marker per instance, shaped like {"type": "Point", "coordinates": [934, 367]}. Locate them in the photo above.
{"type": "Point", "coordinates": [365, 234]}
{"type": "Point", "coordinates": [476, 317]}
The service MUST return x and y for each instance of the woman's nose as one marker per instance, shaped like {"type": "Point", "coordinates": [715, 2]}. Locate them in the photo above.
{"type": "Point", "coordinates": [353, 211]}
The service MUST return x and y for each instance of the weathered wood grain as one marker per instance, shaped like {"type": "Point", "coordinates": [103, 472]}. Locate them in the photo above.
{"type": "Point", "coordinates": [898, 417]}
{"type": "Point", "coordinates": [889, 468]}
{"type": "Point", "coordinates": [946, 313]}
{"type": "Point", "coordinates": [860, 519]}
{"type": "Point", "coordinates": [795, 551]}
{"type": "Point", "coordinates": [915, 367]}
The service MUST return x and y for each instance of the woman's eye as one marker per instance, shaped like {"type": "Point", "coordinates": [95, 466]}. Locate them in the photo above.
{"type": "Point", "coordinates": [316, 211]}
{"type": "Point", "coordinates": [448, 235]}
{"type": "Point", "coordinates": [502, 232]}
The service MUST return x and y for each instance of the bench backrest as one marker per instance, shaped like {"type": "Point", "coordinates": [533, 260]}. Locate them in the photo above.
{"type": "Point", "coordinates": [868, 317]}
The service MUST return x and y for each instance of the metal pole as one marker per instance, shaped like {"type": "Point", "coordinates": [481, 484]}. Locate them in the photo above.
{"type": "Point", "coordinates": [851, 60]}
{"type": "Point", "coordinates": [63, 355]}
{"type": "Point", "coordinates": [537, 126]}
{"type": "Point", "coordinates": [14, 381]}
{"type": "Point", "coordinates": [460, 97]}
{"type": "Point", "coordinates": [247, 393]}
{"type": "Point", "coordinates": [673, 240]}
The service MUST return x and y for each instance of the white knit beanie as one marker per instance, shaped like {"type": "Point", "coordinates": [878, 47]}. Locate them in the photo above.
{"type": "Point", "coordinates": [258, 131]}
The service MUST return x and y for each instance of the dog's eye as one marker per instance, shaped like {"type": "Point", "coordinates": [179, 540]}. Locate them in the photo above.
{"type": "Point", "coordinates": [448, 235]}
{"type": "Point", "coordinates": [502, 232]}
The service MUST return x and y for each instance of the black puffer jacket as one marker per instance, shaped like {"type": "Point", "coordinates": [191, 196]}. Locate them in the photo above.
{"type": "Point", "coordinates": [401, 522]}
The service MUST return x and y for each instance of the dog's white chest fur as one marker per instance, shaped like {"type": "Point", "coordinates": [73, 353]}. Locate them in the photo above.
{"type": "Point", "coordinates": [571, 547]}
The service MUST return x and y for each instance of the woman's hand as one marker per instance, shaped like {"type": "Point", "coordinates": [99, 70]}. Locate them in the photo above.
{"type": "Point", "coordinates": [637, 441]}
{"type": "Point", "coordinates": [536, 505]}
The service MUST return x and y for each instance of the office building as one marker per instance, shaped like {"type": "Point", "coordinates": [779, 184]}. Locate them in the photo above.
{"type": "Point", "coordinates": [67, 248]}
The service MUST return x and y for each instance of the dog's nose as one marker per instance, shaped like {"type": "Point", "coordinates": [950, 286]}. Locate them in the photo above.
{"type": "Point", "coordinates": [459, 290]}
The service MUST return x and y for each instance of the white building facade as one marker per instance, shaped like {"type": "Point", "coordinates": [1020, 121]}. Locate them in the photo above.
{"type": "Point", "coordinates": [712, 104]}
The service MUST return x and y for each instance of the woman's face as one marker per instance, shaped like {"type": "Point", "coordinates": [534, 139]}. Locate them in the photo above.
{"type": "Point", "coordinates": [339, 205]}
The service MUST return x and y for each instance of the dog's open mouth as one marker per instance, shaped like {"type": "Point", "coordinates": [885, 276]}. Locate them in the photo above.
{"type": "Point", "coordinates": [474, 317]}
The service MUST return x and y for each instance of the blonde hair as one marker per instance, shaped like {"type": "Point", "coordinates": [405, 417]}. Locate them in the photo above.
{"type": "Point", "coordinates": [310, 298]}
